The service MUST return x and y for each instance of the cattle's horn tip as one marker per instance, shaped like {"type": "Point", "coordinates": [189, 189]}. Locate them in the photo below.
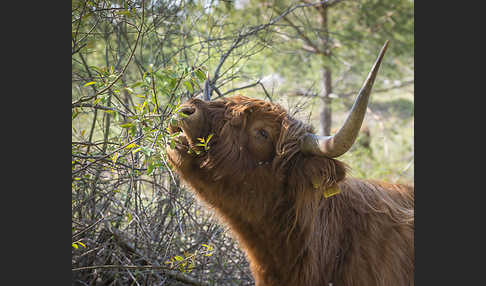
{"type": "Point", "coordinates": [385, 45]}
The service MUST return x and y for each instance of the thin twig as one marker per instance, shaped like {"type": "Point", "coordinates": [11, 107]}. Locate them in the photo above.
{"type": "Point", "coordinates": [173, 274]}
{"type": "Point", "coordinates": [124, 68]}
{"type": "Point", "coordinates": [107, 155]}
{"type": "Point", "coordinates": [89, 227]}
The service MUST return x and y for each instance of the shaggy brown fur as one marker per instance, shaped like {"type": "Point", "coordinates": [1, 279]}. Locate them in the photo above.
{"type": "Point", "coordinates": [271, 196]}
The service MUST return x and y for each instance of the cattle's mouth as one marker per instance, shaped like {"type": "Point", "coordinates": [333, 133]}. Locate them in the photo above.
{"type": "Point", "coordinates": [186, 128]}
{"type": "Point", "coordinates": [179, 137]}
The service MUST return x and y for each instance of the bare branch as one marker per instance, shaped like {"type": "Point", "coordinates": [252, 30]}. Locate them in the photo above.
{"type": "Point", "coordinates": [126, 65]}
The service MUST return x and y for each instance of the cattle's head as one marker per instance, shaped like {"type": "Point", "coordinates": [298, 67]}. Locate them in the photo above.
{"type": "Point", "coordinates": [227, 137]}
{"type": "Point", "coordinates": [256, 143]}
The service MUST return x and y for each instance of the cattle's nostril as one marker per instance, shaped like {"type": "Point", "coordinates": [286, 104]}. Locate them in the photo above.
{"type": "Point", "coordinates": [187, 110]}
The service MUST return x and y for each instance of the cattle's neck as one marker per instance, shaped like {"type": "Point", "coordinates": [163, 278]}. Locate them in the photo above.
{"type": "Point", "coordinates": [276, 248]}
{"type": "Point", "coordinates": [282, 258]}
{"type": "Point", "coordinates": [262, 219]}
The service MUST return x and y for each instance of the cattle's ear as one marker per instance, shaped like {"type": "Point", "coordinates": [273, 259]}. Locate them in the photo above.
{"type": "Point", "coordinates": [315, 173]}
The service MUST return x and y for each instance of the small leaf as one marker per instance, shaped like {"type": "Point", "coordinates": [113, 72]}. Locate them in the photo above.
{"type": "Point", "coordinates": [147, 150]}
{"type": "Point", "coordinates": [178, 258]}
{"type": "Point", "coordinates": [90, 83]}
{"type": "Point", "coordinates": [200, 75]}
{"type": "Point", "coordinates": [130, 146]}
{"type": "Point", "coordinates": [150, 168]}
{"type": "Point", "coordinates": [74, 114]}
{"type": "Point", "coordinates": [191, 267]}
{"type": "Point", "coordinates": [188, 86]}
{"type": "Point", "coordinates": [172, 83]}
{"type": "Point", "coordinates": [138, 83]}
{"type": "Point", "coordinates": [182, 115]}
{"type": "Point", "coordinates": [172, 144]}
{"type": "Point", "coordinates": [75, 245]}
{"type": "Point", "coordinates": [126, 125]}
{"type": "Point", "coordinates": [174, 122]}
{"type": "Point", "coordinates": [115, 157]}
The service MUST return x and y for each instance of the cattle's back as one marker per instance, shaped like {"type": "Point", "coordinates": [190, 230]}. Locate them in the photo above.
{"type": "Point", "coordinates": [379, 234]}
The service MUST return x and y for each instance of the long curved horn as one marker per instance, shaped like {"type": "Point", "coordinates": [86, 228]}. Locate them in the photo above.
{"type": "Point", "coordinates": [339, 143]}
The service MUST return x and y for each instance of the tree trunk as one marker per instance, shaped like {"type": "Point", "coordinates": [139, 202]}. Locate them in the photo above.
{"type": "Point", "coordinates": [326, 113]}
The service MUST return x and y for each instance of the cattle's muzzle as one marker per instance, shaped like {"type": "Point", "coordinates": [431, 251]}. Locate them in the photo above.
{"type": "Point", "coordinates": [187, 122]}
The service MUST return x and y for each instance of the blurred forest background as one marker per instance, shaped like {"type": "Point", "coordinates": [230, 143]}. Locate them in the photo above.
{"type": "Point", "coordinates": [134, 62]}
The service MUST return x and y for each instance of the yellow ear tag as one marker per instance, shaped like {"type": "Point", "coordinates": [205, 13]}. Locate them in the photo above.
{"type": "Point", "coordinates": [331, 191]}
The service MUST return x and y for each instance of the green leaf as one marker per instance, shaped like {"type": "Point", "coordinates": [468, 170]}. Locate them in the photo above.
{"type": "Point", "coordinates": [115, 157]}
{"type": "Point", "coordinates": [137, 84]}
{"type": "Point", "coordinates": [150, 168]}
{"type": "Point", "coordinates": [147, 150]}
{"type": "Point", "coordinates": [182, 115]}
{"type": "Point", "coordinates": [123, 12]}
{"type": "Point", "coordinates": [75, 114]}
{"type": "Point", "coordinates": [178, 258]}
{"type": "Point", "coordinates": [131, 145]}
{"type": "Point", "coordinates": [188, 85]}
{"type": "Point", "coordinates": [200, 75]}
{"type": "Point", "coordinates": [126, 125]}
{"type": "Point", "coordinates": [75, 245]}
{"type": "Point", "coordinates": [133, 130]}
{"type": "Point", "coordinates": [172, 83]}
{"type": "Point", "coordinates": [174, 122]}
{"type": "Point", "coordinates": [90, 83]}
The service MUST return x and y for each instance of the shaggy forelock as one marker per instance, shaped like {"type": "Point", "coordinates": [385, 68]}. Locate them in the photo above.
{"type": "Point", "coordinates": [228, 118]}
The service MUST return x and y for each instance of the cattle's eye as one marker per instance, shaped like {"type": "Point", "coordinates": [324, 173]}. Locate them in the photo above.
{"type": "Point", "coordinates": [263, 133]}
